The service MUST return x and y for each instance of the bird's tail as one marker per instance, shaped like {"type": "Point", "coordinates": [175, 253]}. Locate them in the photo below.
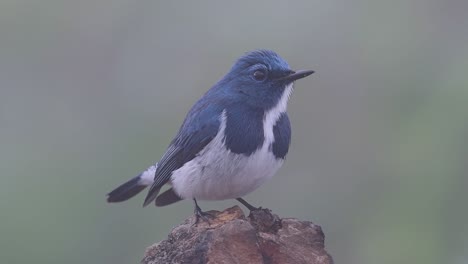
{"type": "Point", "coordinates": [133, 186]}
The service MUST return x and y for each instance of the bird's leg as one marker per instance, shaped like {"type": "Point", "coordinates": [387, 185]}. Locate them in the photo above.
{"type": "Point", "coordinates": [200, 214]}
{"type": "Point", "coordinates": [246, 204]}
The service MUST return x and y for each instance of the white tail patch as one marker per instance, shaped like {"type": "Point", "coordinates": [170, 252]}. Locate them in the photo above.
{"type": "Point", "coordinates": [147, 177]}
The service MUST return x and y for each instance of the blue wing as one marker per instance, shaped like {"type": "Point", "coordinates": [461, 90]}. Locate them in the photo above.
{"type": "Point", "coordinates": [200, 126]}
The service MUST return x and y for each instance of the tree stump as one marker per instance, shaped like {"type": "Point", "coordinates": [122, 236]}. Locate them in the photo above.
{"type": "Point", "coordinates": [230, 237]}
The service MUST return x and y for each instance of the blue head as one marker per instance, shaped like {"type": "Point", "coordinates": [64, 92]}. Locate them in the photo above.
{"type": "Point", "coordinates": [259, 79]}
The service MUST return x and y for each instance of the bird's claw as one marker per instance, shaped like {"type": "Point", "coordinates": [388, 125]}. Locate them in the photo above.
{"type": "Point", "coordinates": [200, 214]}
{"type": "Point", "coordinates": [205, 216]}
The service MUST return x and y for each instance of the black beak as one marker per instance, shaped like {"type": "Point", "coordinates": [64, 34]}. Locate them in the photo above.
{"type": "Point", "coordinates": [296, 75]}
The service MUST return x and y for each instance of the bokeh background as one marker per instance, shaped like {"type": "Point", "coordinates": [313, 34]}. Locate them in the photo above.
{"type": "Point", "coordinates": [91, 92]}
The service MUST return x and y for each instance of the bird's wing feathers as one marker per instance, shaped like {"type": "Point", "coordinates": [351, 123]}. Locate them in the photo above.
{"type": "Point", "coordinates": [199, 128]}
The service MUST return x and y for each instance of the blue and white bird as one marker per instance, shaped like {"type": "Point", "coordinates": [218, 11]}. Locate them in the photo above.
{"type": "Point", "coordinates": [234, 138]}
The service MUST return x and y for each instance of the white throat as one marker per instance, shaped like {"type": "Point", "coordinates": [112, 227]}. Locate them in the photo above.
{"type": "Point", "coordinates": [272, 115]}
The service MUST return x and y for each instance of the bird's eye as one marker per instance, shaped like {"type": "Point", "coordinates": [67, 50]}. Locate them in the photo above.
{"type": "Point", "coordinates": [259, 75]}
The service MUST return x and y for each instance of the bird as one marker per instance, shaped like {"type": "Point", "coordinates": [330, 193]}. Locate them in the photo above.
{"type": "Point", "coordinates": [233, 139]}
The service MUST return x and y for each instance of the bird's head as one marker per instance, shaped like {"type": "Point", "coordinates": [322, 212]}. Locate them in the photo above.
{"type": "Point", "coordinates": [260, 78]}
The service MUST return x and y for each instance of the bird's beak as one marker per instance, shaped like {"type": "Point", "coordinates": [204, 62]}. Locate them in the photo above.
{"type": "Point", "coordinates": [296, 75]}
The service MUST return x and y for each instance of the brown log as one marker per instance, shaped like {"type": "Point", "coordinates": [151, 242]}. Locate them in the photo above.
{"type": "Point", "coordinates": [230, 237]}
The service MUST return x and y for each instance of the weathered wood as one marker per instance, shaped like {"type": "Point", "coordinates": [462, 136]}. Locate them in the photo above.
{"type": "Point", "coordinates": [230, 237]}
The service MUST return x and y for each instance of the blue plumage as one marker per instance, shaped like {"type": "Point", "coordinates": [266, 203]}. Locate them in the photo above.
{"type": "Point", "coordinates": [242, 135]}
{"type": "Point", "coordinates": [282, 132]}
{"type": "Point", "coordinates": [234, 138]}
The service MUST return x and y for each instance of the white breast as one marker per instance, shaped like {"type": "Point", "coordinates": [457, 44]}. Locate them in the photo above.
{"type": "Point", "coordinates": [218, 174]}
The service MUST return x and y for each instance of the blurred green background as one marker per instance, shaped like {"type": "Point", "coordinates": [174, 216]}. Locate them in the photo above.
{"type": "Point", "coordinates": [91, 93]}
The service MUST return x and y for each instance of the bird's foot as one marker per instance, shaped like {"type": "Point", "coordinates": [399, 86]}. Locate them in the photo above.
{"type": "Point", "coordinates": [199, 214]}
{"type": "Point", "coordinates": [205, 216]}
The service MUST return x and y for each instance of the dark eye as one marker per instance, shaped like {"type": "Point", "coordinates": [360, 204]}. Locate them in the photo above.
{"type": "Point", "coordinates": [259, 75]}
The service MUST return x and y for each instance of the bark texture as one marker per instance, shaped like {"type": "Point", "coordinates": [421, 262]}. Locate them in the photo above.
{"type": "Point", "coordinates": [231, 237]}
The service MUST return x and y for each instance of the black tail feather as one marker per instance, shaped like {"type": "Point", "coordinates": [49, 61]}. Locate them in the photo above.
{"type": "Point", "coordinates": [126, 190]}
{"type": "Point", "coordinates": [167, 197]}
